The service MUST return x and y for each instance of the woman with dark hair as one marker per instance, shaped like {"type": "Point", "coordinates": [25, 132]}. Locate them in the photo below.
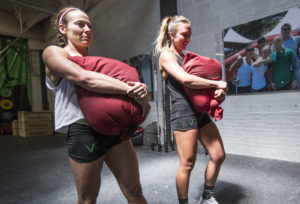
{"type": "Point", "coordinates": [243, 67]}
{"type": "Point", "coordinates": [88, 149]}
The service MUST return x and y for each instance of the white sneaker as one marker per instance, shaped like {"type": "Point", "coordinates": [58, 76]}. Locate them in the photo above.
{"type": "Point", "coordinates": [211, 200]}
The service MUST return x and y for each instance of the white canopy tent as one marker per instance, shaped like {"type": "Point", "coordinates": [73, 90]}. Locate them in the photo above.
{"type": "Point", "coordinates": [292, 17]}
{"type": "Point", "coordinates": [234, 37]}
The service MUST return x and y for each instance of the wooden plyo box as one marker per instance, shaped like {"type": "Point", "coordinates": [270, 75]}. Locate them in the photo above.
{"type": "Point", "coordinates": [29, 132]}
{"type": "Point", "coordinates": [33, 124]}
{"type": "Point", "coordinates": [34, 116]}
{"type": "Point", "coordinates": [15, 127]}
{"type": "Point", "coordinates": [43, 124]}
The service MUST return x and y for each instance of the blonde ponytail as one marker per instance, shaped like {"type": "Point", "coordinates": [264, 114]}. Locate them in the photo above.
{"type": "Point", "coordinates": [169, 24]}
{"type": "Point", "coordinates": [163, 39]}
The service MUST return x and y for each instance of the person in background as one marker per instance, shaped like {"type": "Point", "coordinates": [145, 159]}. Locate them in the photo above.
{"type": "Point", "coordinates": [281, 75]}
{"type": "Point", "coordinates": [243, 67]}
{"type": "Point", "coordinates": [87, 149]}
{"type": "Point", "coordinates": [188, 125]}
{"type": "Point", "coordinates": [261, 42]}
{"type": "Point", "coordinates": [291, 42]}
{"type": "Point", "coordinates": [259, 70]}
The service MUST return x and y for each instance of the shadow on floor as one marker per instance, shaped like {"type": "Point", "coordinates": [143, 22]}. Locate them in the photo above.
{"type": "Point", "coordinates": [229, 193]}
{"type": "Point", "coordinates": [225, 193]}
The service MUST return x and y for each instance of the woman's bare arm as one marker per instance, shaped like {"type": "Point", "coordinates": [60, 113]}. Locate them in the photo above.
{"type": "Point", "coordinates": [260, 61]}
{"type": "Point", "coordinates": [168, 63]}
{"type": "Point", "coordinates": [58, 65]}
{"type": "Point", "coordinates": [235, 65]}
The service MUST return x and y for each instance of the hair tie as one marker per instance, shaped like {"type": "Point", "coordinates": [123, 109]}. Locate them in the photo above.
{"type": "Point", "coordinates": [64, 13]}
{"type": "Point", "coordinates": [169, 19]}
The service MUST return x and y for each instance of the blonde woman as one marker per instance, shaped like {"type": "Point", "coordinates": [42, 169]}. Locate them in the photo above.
{"type": "Point", "coordinates": [188, 125]}
{"type": "Point", "coordinates": [260, 70]}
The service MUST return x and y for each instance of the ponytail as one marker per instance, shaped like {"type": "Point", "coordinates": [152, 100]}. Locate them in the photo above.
{"type": "Point", "coordinates": [169, 24]}
{"type": "Point", "coordinates": [163, 39]}
{"type": "Point", "coordinates": [62, 41]}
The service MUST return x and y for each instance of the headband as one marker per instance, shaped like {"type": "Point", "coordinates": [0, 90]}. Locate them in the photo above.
{"type": "Point", "coordinates": [64, 13]}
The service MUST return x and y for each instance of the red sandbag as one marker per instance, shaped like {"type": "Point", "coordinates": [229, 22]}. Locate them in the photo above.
{"type": "Point", "coordinates": [108, 114]}
{"type": "Point", "coordinates": [208, 68]}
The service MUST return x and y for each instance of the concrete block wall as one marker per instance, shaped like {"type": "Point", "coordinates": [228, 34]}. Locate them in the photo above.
{"type": "Point", "coordinates": [262, 125]}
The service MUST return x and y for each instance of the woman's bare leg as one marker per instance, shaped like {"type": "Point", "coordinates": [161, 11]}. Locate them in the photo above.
{"type": "Point", "coordinates": [186, 142]}
{"type": "Point", "coordinates": [87, 179]}
{"type": "Point", "coordinates": [122, 161]}
{"type": "Point", "coordinates": [210, 137]}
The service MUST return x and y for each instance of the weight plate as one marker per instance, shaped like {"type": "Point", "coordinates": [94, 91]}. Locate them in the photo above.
{"type": "Point", "coordinates": [7, 116]}
{"type": "Point", "coordinates": [7, 128]}
{"type": "Point", "coordinates": [5, 92]}
{"type": "Point", "coordinates": [6, 104]}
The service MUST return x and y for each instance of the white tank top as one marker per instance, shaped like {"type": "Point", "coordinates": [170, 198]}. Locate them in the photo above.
{"type": "Point", "coordinates": [67, 109]}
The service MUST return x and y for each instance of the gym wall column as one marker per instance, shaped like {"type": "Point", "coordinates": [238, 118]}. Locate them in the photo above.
{"type": "Point", "coordinates": [167, 8]}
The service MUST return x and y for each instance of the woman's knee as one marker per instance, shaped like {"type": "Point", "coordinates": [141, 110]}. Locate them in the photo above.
{"type": "Point", "coordinates": [134, 191]}
{"type": "Point", "coordinates": [218, 158]}
{"type": "Point", "coordinates": [87, 198]}
{"type": "Point", "coordinates": [187, 165]}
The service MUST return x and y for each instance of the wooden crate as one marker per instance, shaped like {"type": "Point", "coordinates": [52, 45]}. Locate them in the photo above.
{"type": "Point", "coordinates": [33, 124]}
{"type": "Point", "coordinates": [34, 116]}
{"type": "Point", "coordinates": [30, 132]}
{"type": "Point", "coordinates": [15, 127]}
{"type": "Point", "coordinates": [15, 131]}
{"type": "Point", "coordinates": [43, 124]}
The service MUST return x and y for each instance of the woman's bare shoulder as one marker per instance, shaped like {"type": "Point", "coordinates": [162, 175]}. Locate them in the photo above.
{"type": "Point", "coordinates": [51, 55]}
{"type": "Point", "coordinates": [167, 55]}
{"type": "Point", "coordinates": [54, 47]}
{"type": "Point", "coordinates": [55, 50]}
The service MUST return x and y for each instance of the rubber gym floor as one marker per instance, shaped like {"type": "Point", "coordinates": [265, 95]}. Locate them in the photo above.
{"type": "Point", "coordinates": [36, 171]}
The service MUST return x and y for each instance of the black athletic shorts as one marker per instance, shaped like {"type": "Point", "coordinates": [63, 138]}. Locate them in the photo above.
{"type": "Point", "coordinates": [85, 145]}
{"type": "Point", "coordinates": [190, 122]}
